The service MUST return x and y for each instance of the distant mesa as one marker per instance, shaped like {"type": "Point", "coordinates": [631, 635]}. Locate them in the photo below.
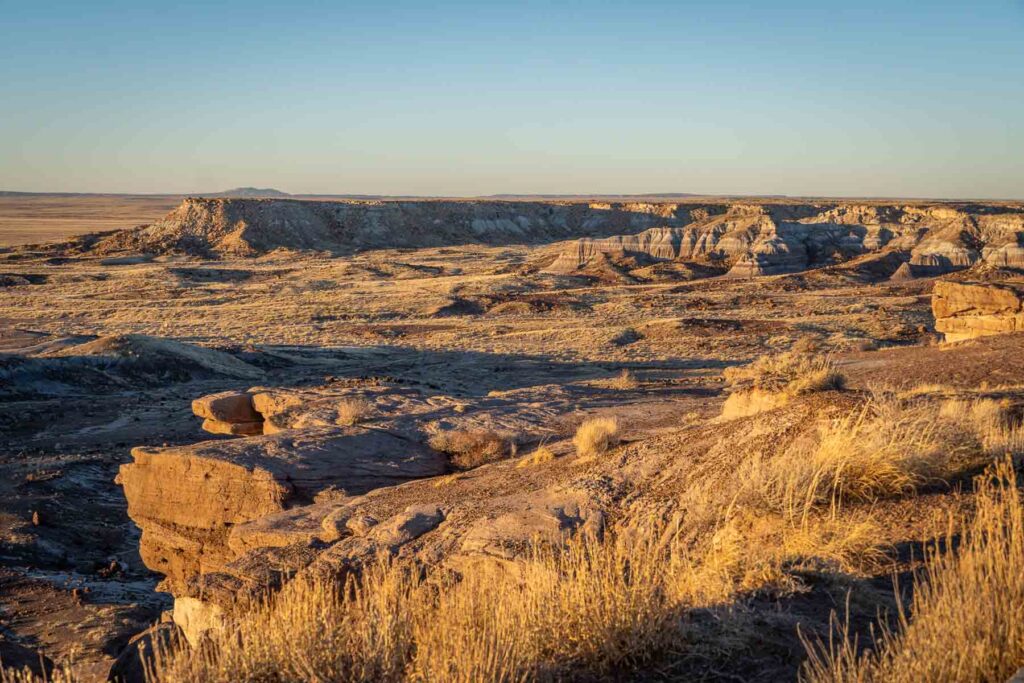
{"type": "Point", "coordinates": [896, 240]}
{"type": "Point", "coordinates": [251, 193]}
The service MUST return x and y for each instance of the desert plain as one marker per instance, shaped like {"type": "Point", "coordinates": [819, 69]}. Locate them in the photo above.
{"type": "Point", "coordinates": [532, 439]}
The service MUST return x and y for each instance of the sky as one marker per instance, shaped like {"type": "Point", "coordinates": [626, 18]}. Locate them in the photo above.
{"type": "Point", "coordinates": [913, 99]}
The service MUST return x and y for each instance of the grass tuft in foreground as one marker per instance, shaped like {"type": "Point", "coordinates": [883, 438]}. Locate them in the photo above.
{"type": "Point", "coordinates": [597, 607]}
{"type": "Point", "coordinates": [792, 373]}
{"type": "Point", "coordinates": [966, 621]}
{"type": "Point", "coordinates": [595, 436]}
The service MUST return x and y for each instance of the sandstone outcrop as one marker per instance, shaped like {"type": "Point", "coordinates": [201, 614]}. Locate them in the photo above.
{"type": "Point", "coordinates": [186, 499]}
{"type": "Point", "coordinates": [229, 412]}
{"type": "Point", "coordinates": [255, 226]}
{"type": "Point", "coordinates": [203, 505]}
{"type": "Point", "coordinates": [228, 406]}
{"type": "Point", "coordinates": [484, 520]}
{"type": "Point", "coordinates": [752, 239]}
{"type": "Point", "coordinates": [965, 310]}
{"type": "Point", "coordinates": [772, 239]}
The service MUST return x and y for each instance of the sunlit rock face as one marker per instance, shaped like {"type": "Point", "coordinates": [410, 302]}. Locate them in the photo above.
{"type": "Point", "coordinates": [767, 240]}
{"type": "Point", "coordinates": [744, 239]}
{"type": "Point", "coordinates": [965, 310]}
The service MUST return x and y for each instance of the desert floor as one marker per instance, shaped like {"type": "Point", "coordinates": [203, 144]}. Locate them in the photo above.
{"type": "Point", "coordinates": [27, 219]}
{"type": "Point", "coordinates": [467, 322]}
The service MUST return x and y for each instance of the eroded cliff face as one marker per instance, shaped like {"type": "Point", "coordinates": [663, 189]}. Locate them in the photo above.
{"type": "Point", "coordinates": [747, 238]}
{"type": "Point", "coordinates": [966, 310]}
{"type": "Point", "coordinates": [249, 227]}
{"type": "Point", "coordinates": [766, 240]}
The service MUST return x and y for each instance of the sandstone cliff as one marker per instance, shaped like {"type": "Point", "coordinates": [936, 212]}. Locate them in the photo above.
{"type": "Point", "coordinates": [767, 240]}
{"type": "Point", "coordinates": [249, 227]}
{"type": "Point", "coordinates": [750, 239]}
{"type": "Point", "coordinates": [965, 310]}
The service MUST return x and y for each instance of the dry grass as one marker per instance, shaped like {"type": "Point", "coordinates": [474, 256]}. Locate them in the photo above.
{"type": "Point", "coordinates": [966, 621]}
{"type": "Point", "coordinates": [879, 450]}
{"type": "Point", "coordinates": [886, 448]}
{"type": "Point", "coordinates": [807, 344]}
{"type": "Point", "coordinates": [468, 448]}
{"type": "Point", "coordinates": [774, 380]}
{"type": "Point", "coordinates": [626, 381]}
{"type": "Point", "coordinates": [925, 390]}
{"type": "Point", "coordinates": [595, 436]}
{"type": "Point", "coordinates": [990, 421]}
{"type": "Point", "coordinates": [60, 674]}
{"type": "Point", "coordinates": [792, 373]}
{"type": "Point", "coordinates": [540, 456]}
{"type": "Point", "coordinates": [352, 411]}
{"type": "Point", "coordinates": [593, 609]}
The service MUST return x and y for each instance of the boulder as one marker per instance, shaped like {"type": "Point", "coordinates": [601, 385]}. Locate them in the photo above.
{"type": "Point", "coordinates": [965, 310]}
{"type": "Point", "coordinates": [227, 406]}
{"type": "Point", "coordinates": [130, 666]}
{"type": "Point", "coordinates": [186, 499]}
{"type": "Point", "coordinates": [232, 428]}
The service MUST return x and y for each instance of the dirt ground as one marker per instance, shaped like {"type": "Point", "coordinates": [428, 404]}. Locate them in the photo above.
{"type": "Point", "coordinates": [464, 322]}
{"type": "Point", "coordinates": [27, 219]}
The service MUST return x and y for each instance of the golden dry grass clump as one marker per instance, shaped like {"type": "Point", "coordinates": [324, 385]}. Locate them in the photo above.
{"type": "Point", "coordinates": [352, 411]}
{"type": "Point", "coordinates": [540, 456]}
{"type": "Point", "coordinates": [966, 621]}
{"type": "Point", "coordinates": [625, 381]}
{"type": "Point", "coordinates": [60, 674]}
{"type": "Point", "coordinates": [887, 447]}
{"type": "Point", "coordinates": [773, 380]}
{"type": "Point", "coordinates": [595, 436]}
{"type": "Point", "coordinates": [793, 372]}
{"type": "Point", "coordinates": [589, 610]}
{"type": "Point", "coordinates": [468, 448]}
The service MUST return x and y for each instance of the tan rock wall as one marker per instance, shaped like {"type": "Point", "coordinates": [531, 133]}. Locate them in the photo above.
{"type": "Point", "coordinates": [968, 310]}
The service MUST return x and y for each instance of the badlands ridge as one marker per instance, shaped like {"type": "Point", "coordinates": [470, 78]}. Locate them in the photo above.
{"type": "Point", "coordinates": [251, 391]}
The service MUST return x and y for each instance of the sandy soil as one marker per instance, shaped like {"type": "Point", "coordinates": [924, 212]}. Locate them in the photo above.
{"type": "Point", "coordinates": [449, 325]}
{"type": "Point", "coordinates": [28, 219]}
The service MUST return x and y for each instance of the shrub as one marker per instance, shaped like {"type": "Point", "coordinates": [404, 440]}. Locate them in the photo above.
{"type": "Point", "coordinates": [595, 435]}
{"type": "Point", "coordinates": [791, 373]}
{"type": "Point", "coordinates": [60, 674]}
{"type": "Point", "coordinates": [887, 447]}
{"type": "Point", "coordinates": [541, 455]}
{"type": "Point", "coordinates": [807, 344]}
{"type": "Point", "coordinates": [468, 448]}
{"type": "Point", "coordinates": [625, 381]}
{"type": "Point", "coordinates": [353, 411]}
{"type": "Point", "coordinates": [881, 449]}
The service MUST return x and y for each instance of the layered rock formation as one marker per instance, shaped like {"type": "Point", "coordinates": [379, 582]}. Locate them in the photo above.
{"type": "Point", "coordinates": [226, 518]}
{"type": "Point", "coordinates": [751, 239]}
{"type": "Point", "coordinates": [965, 310]}
{"type": "Point", "coordinates": [187, 499]}
{"type": "Point", "coordinates": [767, 240]}
{"type": "Point", "coordinates": [242, 515]}
{"type": "Point", "coordinates": [249, 227]}
{"type": "Point", "coordinates": [198, 505]}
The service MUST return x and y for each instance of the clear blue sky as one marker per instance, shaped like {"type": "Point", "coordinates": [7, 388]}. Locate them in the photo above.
{"type": "Point", "coordinates": [462, 98]}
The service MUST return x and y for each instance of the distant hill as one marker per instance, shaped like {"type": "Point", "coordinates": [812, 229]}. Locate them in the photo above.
{"type": "Point", "coordinates": [601, 197]}
{"type": "Point", "coordinates": [250, 193]}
